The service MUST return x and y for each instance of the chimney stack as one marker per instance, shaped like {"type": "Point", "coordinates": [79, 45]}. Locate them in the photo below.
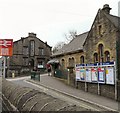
{"type": "Point", "coordinates": [31, 34]}
{"type": "Point", "coordinates": [106, 8]}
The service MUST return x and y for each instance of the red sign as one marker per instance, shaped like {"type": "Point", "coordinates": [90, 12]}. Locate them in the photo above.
{"type": "Point", "coordinates": [6, 47]}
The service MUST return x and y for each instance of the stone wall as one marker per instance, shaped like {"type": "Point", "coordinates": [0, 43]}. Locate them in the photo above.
{"type": "Point", "coordinates": [92, 88]}
{"type": "Point", "coordinates": [118, 90]}
{"type": "Point", "coordinates": [105, 89]}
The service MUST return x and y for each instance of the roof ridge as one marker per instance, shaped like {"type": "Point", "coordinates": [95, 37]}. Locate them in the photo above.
{"type": "Point", "coordinates": [113, 16]}
{"type": "Point", "coordinates": [83, 33]}
{"type": "Point", "coordinates": [114, 19]}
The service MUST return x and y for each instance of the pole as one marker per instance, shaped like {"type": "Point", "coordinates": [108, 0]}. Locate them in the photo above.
{"type": "Point", "coordinates": [4, 67]}
{"type": "Point", "coordinates": [68, 76]}
{"type": "Point", "coordinates": [115, 72]}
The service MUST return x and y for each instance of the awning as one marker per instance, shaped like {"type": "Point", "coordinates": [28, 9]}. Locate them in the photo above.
{"type": "Point", "coordinates": [53, 61]}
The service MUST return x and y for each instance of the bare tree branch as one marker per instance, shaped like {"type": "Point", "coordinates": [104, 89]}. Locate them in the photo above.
{"type": "Point", "coordinates": [58, 46]}
{"type": "Point", "coordinates": [70, 35]}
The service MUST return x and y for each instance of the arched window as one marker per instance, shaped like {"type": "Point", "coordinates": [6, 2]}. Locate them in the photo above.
{"type": "Point", "coordinates": [100, 52]}
{"type": "Point", "coordinates": [82, 59]}
{"type": "Point", "coordinates": [95, 57]}
{"type": "Point", "coordinates": [69, 61]}
{"type": "Point", "coordinates": [73, 62]}
{"type": "Point", "coordinates": [107, 56]}
{"type": "Point", "coordinates": [63, 63]}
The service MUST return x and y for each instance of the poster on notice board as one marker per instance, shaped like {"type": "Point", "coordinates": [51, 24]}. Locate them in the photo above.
{"type": "Point", "coordinates": [88, 75]}
{"type": "Point", "coordinates": [82, 74]}
{"type": "Point", "coordinates": [77, 74]}
{"type": "Point", "coordinates": [109, 75]}
{"type": "Point", "coordinates": [94, 74]}
{"type": "Point", "coordinates": [101, 75]}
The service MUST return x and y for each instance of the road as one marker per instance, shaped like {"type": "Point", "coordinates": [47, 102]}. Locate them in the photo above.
{"type": "Point", "coordinates": [23, 82]}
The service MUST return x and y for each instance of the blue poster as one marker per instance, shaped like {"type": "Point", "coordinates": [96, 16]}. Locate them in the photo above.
{"type": "Point", "coordinates": [101, 75]}
{"type": "Point", "coordinates": [82, 74]}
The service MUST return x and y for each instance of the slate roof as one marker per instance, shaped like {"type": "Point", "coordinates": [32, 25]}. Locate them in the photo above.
{"type": "Point", "coordinates": [114, 19]}
{"type": "Point", "coordinates": [75, 45]}
{"type": "Point", "coordinates": [23, 38]}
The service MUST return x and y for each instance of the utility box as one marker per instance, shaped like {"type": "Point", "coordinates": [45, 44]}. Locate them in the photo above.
{"type": "Point", "coordinates": [35, 75]}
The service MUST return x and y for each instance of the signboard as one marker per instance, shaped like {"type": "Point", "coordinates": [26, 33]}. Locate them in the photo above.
{"type": "Point", "coordinates": [109, 75]}
{"type": "Point", "coordinates": [77, 73]}
{"type": "Point", "coordinates": [101, 75]}
{"type": "Point", "coordinates": [98, 72]}
{"type": "Point", "coordinates": [82, 74]}
{"type": "Point", "coordinates": [6, 47]}
{"type": "Point", "coordinates": [94, 74]}
{"type": "Point", "coordinates": [88, 75]}
{"type": "Point", "coordinates": [40, 66]}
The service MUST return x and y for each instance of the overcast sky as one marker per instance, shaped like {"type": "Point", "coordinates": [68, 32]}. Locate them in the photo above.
{"type": "Point", "coordinates": [49, 19]}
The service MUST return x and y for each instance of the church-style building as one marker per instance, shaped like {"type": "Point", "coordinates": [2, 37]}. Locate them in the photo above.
{"type": "Point", "coordinates": [98, 45]}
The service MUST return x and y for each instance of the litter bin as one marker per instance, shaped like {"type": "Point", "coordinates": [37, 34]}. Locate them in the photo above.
{"type": "Point", "coordinates": [33, 75]}
{"type": "Point", "coordinates": [37, 76]}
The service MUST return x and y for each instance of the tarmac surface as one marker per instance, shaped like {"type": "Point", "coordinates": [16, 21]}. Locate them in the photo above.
{"type": "Point", "coordinates": [58, 85]}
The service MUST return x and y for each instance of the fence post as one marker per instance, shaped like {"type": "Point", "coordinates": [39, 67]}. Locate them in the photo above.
{"type": "Point", "coordinates": [68, 76]}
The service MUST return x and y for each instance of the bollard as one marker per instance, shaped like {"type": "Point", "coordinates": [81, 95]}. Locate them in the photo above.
{"type": "Point", "coordinates": [13, 75]}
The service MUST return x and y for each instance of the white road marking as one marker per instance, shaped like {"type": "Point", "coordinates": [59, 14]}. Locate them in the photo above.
{"type": "Point", "coordinates": [45, 89]}
{"type": "Point", "coordinates": [86, 106]}
{"type": "Point", "coordinates": [22, 78]}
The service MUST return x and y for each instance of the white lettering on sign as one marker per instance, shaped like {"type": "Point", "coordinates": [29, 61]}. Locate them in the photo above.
{"type": "Point", "coordinates": [4, 51]}
{"type": "Point", "coordinates": [5, 43]}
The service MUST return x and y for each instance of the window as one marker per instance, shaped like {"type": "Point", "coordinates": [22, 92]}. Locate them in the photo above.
{"type": "Point", "coordinates": [82, 59]}
{"type": "Point", "coordinates": [25, 51]}
{"type": "Point", "coordinates": [100, 52]}
{"type": "Point", "coordinates": [107, 56]}
{"type": "Point", "coordinates": [69, 61]}
{"type": "Point", "coordinates": [72, 62]}
{"type": "Point", "coordinates": [63, 63]}
{"type": "Point", "coordinates": [41, 51]}
{"type": "Point", "coordinates": [41, 63]}
{"type": "Point", "coordinates": [95, 57]}
{"type": "Point", "coordinates": [100, 29]}
{"type": "Point", "coordinates": [25, 61]}
{"type": "Point", "coordinates": [32, 48]}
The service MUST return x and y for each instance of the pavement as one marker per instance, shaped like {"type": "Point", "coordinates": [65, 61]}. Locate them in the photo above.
{"type": "Point", "coordinates": [58, 85]}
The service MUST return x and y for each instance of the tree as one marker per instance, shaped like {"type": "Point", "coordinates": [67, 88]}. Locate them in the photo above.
{"type": "Point", "coordinates": [70, 35]}
{"type": "Point", "coordinates": [58, 46]}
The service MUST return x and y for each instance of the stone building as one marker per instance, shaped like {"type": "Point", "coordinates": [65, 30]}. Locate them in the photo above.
{"type": "Point", "coordinates": [72, 53]}
{"type": "Point", "coordinates": [100, 45]}
{"type": "Point", "coordinates": [96, 46]}
{"type": "Point", "coordinates": [28, 53]}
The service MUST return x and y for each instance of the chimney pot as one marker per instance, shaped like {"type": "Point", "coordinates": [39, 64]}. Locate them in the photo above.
{"type": "Point", "coordinates": [106, 8]}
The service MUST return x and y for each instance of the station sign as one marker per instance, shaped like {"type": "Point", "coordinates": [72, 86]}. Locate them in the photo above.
{"type": "Point", "coordinates": [6, 47]}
